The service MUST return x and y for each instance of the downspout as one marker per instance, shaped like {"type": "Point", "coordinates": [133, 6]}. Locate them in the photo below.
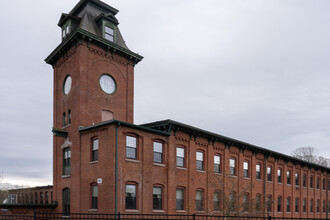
{"type": "Point", "coordinates": [265, 182]}
{"type": "Point", "coordinates": [116, 170]}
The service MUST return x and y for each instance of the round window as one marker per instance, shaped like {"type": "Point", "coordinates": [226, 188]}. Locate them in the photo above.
{"type": "Point", "coordinates": [107, 84]}
{"type": "Point", "coordinates": [67, 85]}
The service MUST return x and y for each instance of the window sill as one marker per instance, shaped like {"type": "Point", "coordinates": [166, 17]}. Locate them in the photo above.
{"type": "Point", "coordinates": [132, 160]}
{"type": "Point", "coordinates": [216, 173]}
{"type": "Point", "coordinates": [233, 176]}
{"type": "Point", "coordinates": [181, 168]}
{"type": "Point", "coordinates": [246, 178]}
{"type": "Point", "coordinates": [201, 171]}
{"type": "Point", "coordinates": [158, 211]}
{"type": "Point", "coordinates": [131, 210]}
{"type": "Point", "coordinates": [260, 180]}
{"type": "Point", "coordinates": [92, 210]}
{"type": "Point", "coordinates": [94, 162]}
{"type": "Point", "coordinates": [66, 126]}
{"type": "Point", "coordinates": [270, 182]}
{"type": "Point", "coordinates": [159, 164]}
{"type": "Point", "coordinates": [181, 211]}
{"type": "Point", "coordinates": [66, 176]}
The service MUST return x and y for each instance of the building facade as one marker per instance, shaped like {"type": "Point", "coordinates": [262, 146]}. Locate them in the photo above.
{"type": "Point", "coordinates": [104, 163]}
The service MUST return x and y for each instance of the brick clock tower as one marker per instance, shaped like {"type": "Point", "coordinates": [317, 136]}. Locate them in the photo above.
{"type": "Point", "coordinates": [93, 82]}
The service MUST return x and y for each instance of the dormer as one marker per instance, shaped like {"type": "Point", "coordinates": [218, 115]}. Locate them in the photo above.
{"type": "Point", "coordinates": [108, 24]}
{"type": "Point", "coordinates": [68, 23]}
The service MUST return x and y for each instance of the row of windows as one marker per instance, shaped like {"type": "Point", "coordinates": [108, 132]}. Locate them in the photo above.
{"type": "Point", "coordinates": [31, 198]}
{"type": "Point", "coordinates": [158, 157]}
{"type": "Point", "coordinates": [304, 205]}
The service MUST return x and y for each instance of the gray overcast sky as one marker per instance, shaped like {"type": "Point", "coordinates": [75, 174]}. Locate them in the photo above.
{"type": "Point", "coordinates": [253, 70]}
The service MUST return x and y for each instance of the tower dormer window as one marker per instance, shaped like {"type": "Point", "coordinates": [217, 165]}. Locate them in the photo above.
{"type": "Point", "coordinates": [108, 33]}
{"type": "Point", "coordinates": [65, 30]}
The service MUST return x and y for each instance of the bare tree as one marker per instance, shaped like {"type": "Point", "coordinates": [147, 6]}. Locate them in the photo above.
{"type": "Point", "coordinates": [309, 154]}
{"type": "Point", "coordinates": [3, 190]}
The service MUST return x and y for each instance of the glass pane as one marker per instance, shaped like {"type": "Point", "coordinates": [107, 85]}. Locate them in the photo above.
{"type": "Point", "coordinates": [245, 165]}
{"type": "Point", "coordinates": [258, 168]}
{"type": "Point", "coordinates": [131, 141]}
{"type": "Point", "coordinates": [232, 162]}
{"type": "Point", "coordinates": [95, 144]}
{"type": "Point", "coordinates": [67, 85]}
{"type": "Point", "coordinates": [199, 156]}
{"type": "Point", "coordinates": [217, 159]}
{"type": "Point", "coordinates": [107, 84]}
{"type": "Point", "coordinates": [158, 147]}
{"type": "Point", "coordinates": [108, 37]}
{"type": "Point", "coordinates": [108, 30]}
{"type": "Point", "coordinates": [94, 191]}
{"type": "Point", "coordinates": [179, 152]}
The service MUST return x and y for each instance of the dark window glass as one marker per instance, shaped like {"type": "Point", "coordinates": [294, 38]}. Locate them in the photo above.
{"type": "Point", "coordinates": [180, 157]}
{"type": "Point", "coordinates": [232, 201]}
{"type": "Point", "coordinates": [95, 149]}
{"type": "Point", "coordinates": [297, 179]}
{"type": "Point", "coordinates": [179, 199]}
{"type": "Point", "coordinates": [66, 201]}
{"type": "Point", "coordinates": [304, 180]}
{"type": "Point", "coordinates": [232, 167]}
{"type": "Point", "coordinates": [311, 182]}
{"type": "Point", "coordinates": [311, 205]}
{"type": "Point", "coordinates": [323, 206]}
{"type": "Point", "coordinates": [246, 202]}
{"type": "Point", "coordinates": [157, 198]}
{"type": "Point", "coordinates": [94, 196]}
{"type": "Point", "coordinates": [258, 172]}
{"type": "Point", "coordinates": [246, 169]}
{"type": "Point", "coordinates": [46, 197]}
{"type": "Point", "coordinates": [216, 201]}
{"type": "Point", "coordinates": [158, 152]}
{"type": "Point", "coordinates": [323, 184]}
{"type": "Point", "coordinates": [199, 200]}
{"type": "Point", "coordinates": [131, 147]}
{"type": "Point", "coordinates": [199, 160]}
{"type": "Point", "coordinates": [288, 177]}
{"type": "Point", "coordinates": [288, 201]}
{"type": "Point", "coordinates": [279, 175]}
{"type": "Point", "coordinates": [296, 205]}
{"type": "Point", "coordinates": [279, 204]}
{"type": "Point", "coordinates": [130, 196]}
{"type": "Point", "coordinates": [67, 161]}
{"type": "Point", "coordinates": [258, 202]}
{"type": "Point", "coordinates": [318, 183]}
{"type": "Point", "coordinates": [41, 198]}
{"type": "Point", "coordinates": [69, 117]}
{"type": "Point", "coordinates": [304, 205]}
{"type": "Point", "coordinates": [269, 203]}
{"type": "Point", "coordinates": [269, 174]}
{"type": "Point", "coordinates": [318, 205]}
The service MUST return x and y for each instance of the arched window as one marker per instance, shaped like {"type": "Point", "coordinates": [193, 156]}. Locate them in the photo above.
{"type": "Point", "coordinates": [157, 197]}
{"type": "Point", "coordinates": [180, 194]}
{"type": "Point", "coordinates": [200, 160]}
{"type": "Point", "coordinates": [199, 199]}
{"type": "Point", "coordinates": [131, 147]}
{"type": "Point", "coordinates": [158, 149]}
{"type": "Point", "coordinates": [130, 195]}
{"type": "Point", "coordinates": [94, 196]}
{"type": "Point", "coordinates": [180, 156]}
{"type": "Point", "coordinates": [258, 171]}
{"type": "Point", "coordinates": [216, 200]}
{"type": "Point", "coordinates": [66, 201]}
{"type": "Point", "coordinates": [232, 166]}
{"type": "Point", "coordinates": [217, 163]}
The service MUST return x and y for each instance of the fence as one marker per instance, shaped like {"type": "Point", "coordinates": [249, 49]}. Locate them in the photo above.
{"type": "Point", "coordinates": [119, 216]}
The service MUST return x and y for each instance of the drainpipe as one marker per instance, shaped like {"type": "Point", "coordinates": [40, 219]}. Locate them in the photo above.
{"type": "Point", "coordinates": [265, 182]}
{"type": "Point", "coordinates": [116, 170]}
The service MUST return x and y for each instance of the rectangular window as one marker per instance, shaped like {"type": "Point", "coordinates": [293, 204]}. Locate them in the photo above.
{"type": "Point", "coordinates": [288, 177]}
{"type": "Point", "coordinates": [232, 201]}
{"type": "Point", "coordinates": [246, 169]}
{"type": "Point", "coordinates": [131, 147]}
{"type": "Point", "coordinates": [232, 167]}
{"type": "Point", "coordinates": [158, 152]}
{"type": "Point", "coordinates": [95, 149]}
{"type": "Point", "coordinates": [94, 196]}
{"type": "Point", "coordinates": [179, 199]}
{"type": "Point", "coordinates": [157, 198]}
{"type": "Point", "coordinates": [246, 202]}
{"type": "Point", "coordinates": [318, 205]}
{"type": "Point", "coordinates": [108, 33]}
{"type": "Point", "coordinates": [41, 198]}
{"type": "Point", "coordinates": [269, 174]}
{"type": "Point", "coordinates": [279, 204]}
{"type": "Point", "coordinates": [288, 208]}
{"type": "Point", "coordinates": [180, 157]}
{"type": "Point", "coordinates": [258, 202]}
{"type": "Point", "coordinates": [323, 206]}
{"type": "Point", "coordinates": [258, 172]}
{"type": "Point", "coordinates": [216, 163]}
{"type": "Point", "coordinates": [199, 160]}
{"type": "Point", "coordinates": [318, 182]}
{"type": "Point", "coordinates": [199, 200]}
{"type": "Point", "coordinates": [304, 205]}
{"type": "Point", "coordinates": [130, 196]}
{"type": "Point", "coordinates": [304, 180]}
{"type": "Point", "coordinates": [67, 161]}
{"type": "Point", "coordinates": [311, 182]}
{"type": "Point", "coordinates": [297, 178]}
{"type": "Point", "coordinates": [216, 201]}
{"type": "Point", "coordinates": [323, 184]}
{"type": "Point", "coordinates": [279, 175]}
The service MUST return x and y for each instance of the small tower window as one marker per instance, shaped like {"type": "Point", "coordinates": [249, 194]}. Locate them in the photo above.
{"type": "Point", "coordinates": [65, 30]}
{"type": "Point", "coordinates": [64, 119]}
{"type": "Point", "coordinates": [69, 117]}
{"type": "Point", "coordinates": [108, 33]}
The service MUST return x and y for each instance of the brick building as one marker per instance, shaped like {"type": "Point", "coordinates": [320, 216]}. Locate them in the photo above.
{"type": "Point", "coordinates": [104, 163]}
